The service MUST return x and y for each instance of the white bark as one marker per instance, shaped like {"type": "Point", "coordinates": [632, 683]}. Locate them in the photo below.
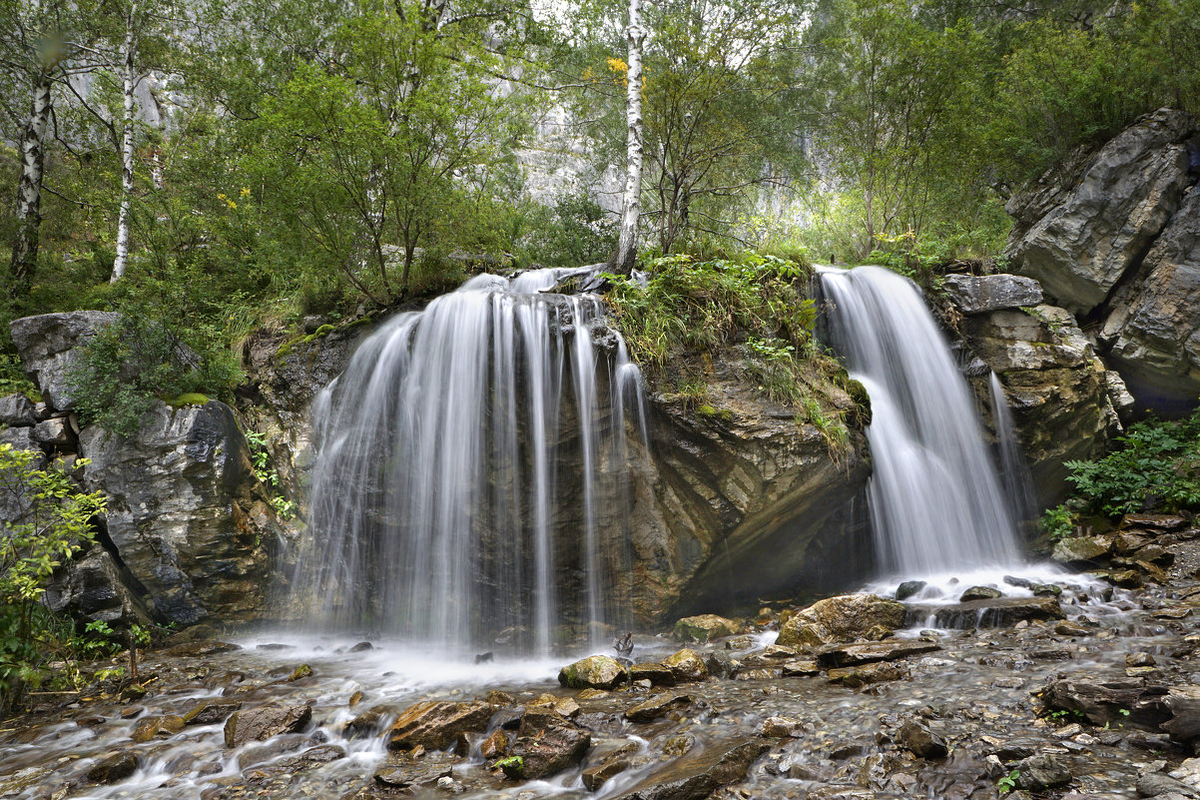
{"type": "Point", "coordinates": [122, 254]}
{"type": "Point", "coordinates": [29, 186]}
{"type": "Point", "coordinates": [625, 258]}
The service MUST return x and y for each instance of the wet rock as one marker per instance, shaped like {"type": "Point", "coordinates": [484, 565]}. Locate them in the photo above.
{"type": "Point", "coordinates": [1041, 772]}
{"type": "Point", "coordinates": [595, 777]}
{"type": "Point", "coordinates": [698, 776]}
{"type": "Point", "coordinates": [908, 589]}
{"type": "Point", "coordinates": [404, 771]}
{"type": "Point", "coordinates": [857, 677]}
{"type": "Point", "coordinates": [299, 673]}
{"type": "Point", "coordinates": [157, 728]}
{"type": "Point", "coordinates": [779, 728]}
{"type": "Point", "coordinates": [185, 511]}
{"type": "Point", "coordinates": [313, 757]}
{"type": "Point", "coordinates": [891, 650]}
{"type": "Point", "coordinates": [686, 666]}
{"type": "Point", "coordinates": [1071, 629]}
{"type": "Point", "coordinates": [840, 619]}
{"type": "Point", "coordinates": [705, 628]}
{"type": "Point", "coordinates": [1183, 702]}
{"type": "Point", "coordinates": [1160, 522]}
{"type": "Point", "coordinates": [263, 722]}
{"type": "Point", "coordinates": [594, 672]}
{"type": "Point", "coordinates": [980, 593]}
{"type": "Point", "coordinates": [369, 722]}
{"type": "Point", "coordinates": [657, 706]}
{"type": "Point", "coordinates": [93, 588]}
{"type": "Point", "coordinates": [210, 712]}
{"type": "Point", "coordinates": [1082, 549]}
{"type": "Point", "coordinates": [198, 649]}
{"type": "Point", "coordinates": [436, 725]}
{"type": "Point", "coordinates": [657, 674]}
{"type": "Point", "coordinates": [1045, 590]}
{"type": "Point", "coordinates": [1140, 660]}
{"type": "Point", "coordinates": [800, 668]}
{"type": "Point", "coordinates": [923, 742]}
{"type": "Point", "coordinates": [47, 345]}
{"type": "Point", "coordinates": [973, 294]}
{"type": "Point", "coordinates": [721, 665]}
{"type": "Point", "coordinates": [546, 744]}
{"type": "Point", "coordinates": [1109, 702]}
{"type": "Point", "coordinates": [362, 647]}
{"type": "Point", "coordinates": [1156, 784]}
{"type": "Point", "coordinates": [496, 745]}
{"type": "Point", "coordinates": [1004, 612]}
{"type": "Point", "coordinates": [114, 768]}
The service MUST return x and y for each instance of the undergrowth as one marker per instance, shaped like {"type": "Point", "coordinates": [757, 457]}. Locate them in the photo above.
{"type": "Point", "coordinates": [756, 304]}
{"type": "Point", "coordinates": [1156, 468]}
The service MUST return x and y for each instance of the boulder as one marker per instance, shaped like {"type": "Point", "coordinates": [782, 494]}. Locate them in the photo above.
{"type": "Point", "coordinates": [779, 728]}
{"type": "Point", "coordinates": [972, 294]}
{"type": "Point", "coordinates": [115, 768]}
{"type": "Point", "coordinates": [157, 727]}
{"type": "Point", "coordinates": [865, 674]}
{"type": "Point", "coordinates": [368, 723]}
{"type": "Point", "coordinates": [657, 706]}
{"type": "Point", "coordinates": [95, 588]}
{"type": "Point", "coordinates": [1082, 549]}
{"type": "Point", "coordinates": [407, 772]}
{"type": "Point", "coordinates": [594, 672]}
{"type": "Point", "coordinates": [697, 776]}
{"type": "Point", "coordinates": [1152, 331]}
{"type": "Point", "coordinates": [1040, 772]}
{"type": "Point", "coordinates": [46, 344]}
{"type": "Point", "coordinates": [596, 776]}
{"type": "Point", "coordinates": [54, 433]}
{"type": "Point", "coordinates": [546, 744]}
{"type": "Point", "coordinates": [262, 722]}
{"type": "Point", "coordinates": [16, 411]}
{"type": "Point", "coordinates": [185, 512]}
{"type": "Point", "coordinates": [705, 628]}
{"type": "Point", "coordinates": [839, 619]}
{"type": "Point", "coordinates": [909, 588]}
{"type": "Point", "coordinates": [436, 725]}
{"type": "Point", "coordinates": [210, 712]}
{"type": "Point", "coordinates": [686, 666]}
{"type": "Point", "coordinates": [923, 742]}
{"type": "Point", "coordinates": [980, 593]}
{"type": "Point", "coordinates": [1079, 230]}
{"type": "Point", "coordinates": [657, 674]}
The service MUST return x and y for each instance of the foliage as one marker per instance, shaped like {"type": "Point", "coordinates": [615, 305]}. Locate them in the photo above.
{"type": "Point", "coordinates": [574, 232]}
{"type": "Point", "coordinates": [1157, 467]}
{"type": "Point", "coordinates": [52, 522]}
{"type": "Point", "coordinates": [1058, 522]}
{"type": "Point", "coordinates": [149, 352]}
{"type": "Point", "coordinates": [1009, 782]}
{"type": "Point", "coordinates": [260, 460]}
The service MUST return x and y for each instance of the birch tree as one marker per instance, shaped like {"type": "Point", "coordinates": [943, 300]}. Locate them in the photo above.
{"type": "Point", "coordinates": [625, 259]}
{"type": "Point", "coordinates": [128, 84]}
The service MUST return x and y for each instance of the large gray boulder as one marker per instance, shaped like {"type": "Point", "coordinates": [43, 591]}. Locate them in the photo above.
{"type": "Point", "coordinates": [46, 344]}
{"type": "Point", "coordinates": [973, 294]}
{"type": "Point", "coordinates": [1153, 328]}
{"type": "Point", "coordinates": [1079, 230]}
{"type": "Point", "coordinates": [185, 513]}
{"type": "Point", "coordinates": [93, 588]}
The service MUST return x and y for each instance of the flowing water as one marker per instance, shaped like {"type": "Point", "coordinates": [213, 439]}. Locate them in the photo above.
{"type": "Point", "coordinates": [1014, 472]}
{"type": "Point", "coordinates": [937, 502]}
{"type": "Point", "coordinates": [472, 472]}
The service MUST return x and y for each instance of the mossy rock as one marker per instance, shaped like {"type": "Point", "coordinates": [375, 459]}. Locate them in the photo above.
{"type": "Point", "coordinates": [594, 672]}
{"type": "Point", "coordinates": [716, 414]}
{"type": "Point", "coordinates": [188, 399]}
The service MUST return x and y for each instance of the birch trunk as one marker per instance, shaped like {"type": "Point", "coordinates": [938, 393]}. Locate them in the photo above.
{"type": "Point", "coordinates": [29, 185]}
{"type": "Point", "coordinates": [625, 258]}
{"type": "Point", "coordinates": [122, 255]}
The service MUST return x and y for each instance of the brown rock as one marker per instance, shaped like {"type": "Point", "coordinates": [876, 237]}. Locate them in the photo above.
{"type": "Point", "coordinates": [436, 725]}
{"type": "Point", "coordinates": [705, 628]}
{"type": "Point", "coordinates": [546, 744]}
{"type": "Point", "coordinates": [210, 712]}
{"type": "Point", "coordinates": [114, 768]}
{"type": "Point", "coordinates": [841, 619]}
{"type": "Point", "coordinates": [857, 677]}
{"type": "Point", "coordinates": [263, 722]}
{"type": "Point", "coordinates": [657, 674]}
{"type": "Point", "coordinates": [698, 776]}
{"type": "Point", "coordinates": [686, 666]}
{"type": "Point", "coordinates": [657, 706]}
{"type": "Point", "coordinates": [594, 672]}
{"type": "Point", "coordinates": [369, 722]}
{"type": "Point", "coordinates": [157, 727]}
{"type": "Point", "coordinates": [595, 777]}
{"type": "Point", "coordinates": [890, 650]}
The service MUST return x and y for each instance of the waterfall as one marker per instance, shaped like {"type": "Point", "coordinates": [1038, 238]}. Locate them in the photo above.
{"type": "Point", "coordinates": [471, 478]}
{"type": "Point", "coordinates": [937, 503]}
{"type": "Point", "coordinates": [1014, 472]}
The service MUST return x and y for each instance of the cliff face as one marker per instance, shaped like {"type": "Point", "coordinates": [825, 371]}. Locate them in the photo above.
{"type": "Point", "coordinates": [1113, 238]}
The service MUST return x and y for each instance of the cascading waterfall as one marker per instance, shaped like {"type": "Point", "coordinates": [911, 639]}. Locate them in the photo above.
{"type": "Point", "coordinates": [471, 482]}
{"type": "Point", "coordinates": [1014, 472]}
{"type": "Point", "coordinates": [937, 503]}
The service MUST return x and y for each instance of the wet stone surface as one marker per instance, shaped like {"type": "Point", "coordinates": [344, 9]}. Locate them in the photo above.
{"type": "Point", "coordinates": [1100, 701]}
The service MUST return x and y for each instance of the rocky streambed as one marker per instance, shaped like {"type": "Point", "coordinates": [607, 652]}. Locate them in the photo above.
{"type": "Point", "coordinates": [1083, 689]}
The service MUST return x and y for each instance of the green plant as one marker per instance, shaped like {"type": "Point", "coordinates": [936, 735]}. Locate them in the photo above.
{"type": "Point", "coordinates": [260, 461]}
{"type": "Point", "coordinates": [1157, 466]}
{"type": "Point", "coordinates": [1058, 522]}
{"type": "Point", "coordinates": [52, 523]}
{"type": "Point", "coordinates": [1008, 782]}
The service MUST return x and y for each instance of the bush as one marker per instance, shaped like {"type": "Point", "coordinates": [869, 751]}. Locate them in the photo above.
{"type": "Point", "coordinates": [1157, 468]}
{"type": "Point", "coordinates": [53, 523]}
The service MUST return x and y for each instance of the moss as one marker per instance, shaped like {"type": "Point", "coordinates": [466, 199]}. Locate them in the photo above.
{"type": "Point", "coordinates": [513, 767]}
{"type": "Point", "coordinates": [717, 414]}
{"type": "Point", "coordinates": [320, 333]}
{"type": "Point", "coordinates": [188, 399]}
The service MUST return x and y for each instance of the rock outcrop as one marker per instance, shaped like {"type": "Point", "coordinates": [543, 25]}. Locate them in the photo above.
{"type": "Point", "coordinates": [47, 344]}
{"type": "Point", "coordinates": [185, 513]}
{"type": "Point", "coordinates": [1114, 238]}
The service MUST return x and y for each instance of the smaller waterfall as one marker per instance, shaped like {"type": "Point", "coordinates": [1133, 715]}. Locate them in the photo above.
{"type": "Point", "coordinates": [937, 503]}
{"type": "Point", "coordinates": [1014, 472]}
{"type": "Point", "coordinates": [472, 471]}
